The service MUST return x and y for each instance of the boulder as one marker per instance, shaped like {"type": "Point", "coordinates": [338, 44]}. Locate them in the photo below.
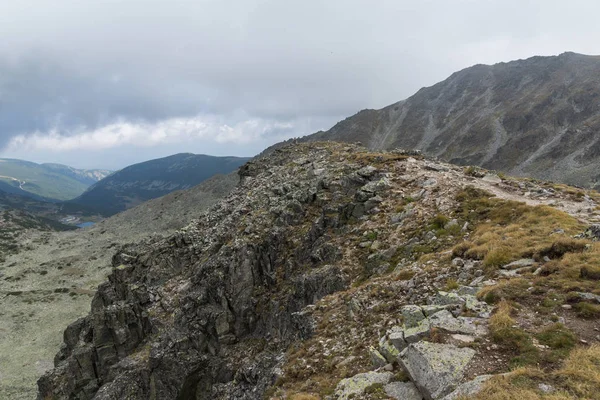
{"type": "Point", "coordinates": [446, 321]}
{"type": "Point", "coordinates": [355, 386]}
{"type": "Point", "coordinates": [402, 391]}
{"type": "Point", "coordinates": [524, 262]}
{"type": "Point", "coordinates": [412, 315]}
{"type": "Point", "coordinates": [396, 338]}
{"type": "Point", "coordinates": [388, 350]}
{"type": "Point", "coordinates": [481, 308]}
{"type": "Point", "coordinates": [436, 369]}
{"type": "Point", "coordinates": [446, 298]}
{"type": "Point", "coordinates": [377, 359]}
{"type": "Point", "coordinates": [469, 388]}
{"type": "Point", "coordinates": [417, 332]}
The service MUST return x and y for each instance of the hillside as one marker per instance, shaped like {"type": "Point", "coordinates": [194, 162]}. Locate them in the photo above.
{"type": "Point", "coordinates": [45, 181]}
{"type": "Point", "coordinates": [332, 272]}
{"type": "Point", "coordinates": [155, 178]}
{"type": "Point", "coordinates": [86, 176]}
{"type": "Point", "coordinates": [49, 278]}
{"type": "Point", "coordinates": [537, 117]}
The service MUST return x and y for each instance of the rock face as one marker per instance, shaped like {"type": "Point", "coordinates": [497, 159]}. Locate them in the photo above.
{"type": "Point", "coordinates": [207, 312]}
{"type": "Point", "coordinates": [536, 117]}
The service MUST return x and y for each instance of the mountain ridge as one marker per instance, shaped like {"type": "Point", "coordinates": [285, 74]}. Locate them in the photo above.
{"type": "Point", "coordinates": [47, 181]}
{"type": "Point", "coordinates": [532, 117]}
{"type": "Point", "coordinates": [150, 179]}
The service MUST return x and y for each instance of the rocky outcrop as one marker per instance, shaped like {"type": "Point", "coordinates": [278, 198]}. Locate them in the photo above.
{"type": "Point", "coordinates": [208, 311]}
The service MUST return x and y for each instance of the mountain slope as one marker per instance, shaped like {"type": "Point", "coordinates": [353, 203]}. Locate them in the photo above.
{"type": "Point", "coordinates": [48, 278]}
{"type": "Point", "coordinates": [537, 117]}
{"type": "Point", "coordinates": [46, 181]}
{"type": "Point", "coordinates": [329, 265]}
{"type": "Point", "coordinates": [85, 176]}
{"type": "Point", "coordinates": [151, 179]}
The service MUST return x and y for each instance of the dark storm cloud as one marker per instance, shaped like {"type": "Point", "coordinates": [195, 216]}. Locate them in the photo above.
{"type": "Point", "coordinates": [74, 68]}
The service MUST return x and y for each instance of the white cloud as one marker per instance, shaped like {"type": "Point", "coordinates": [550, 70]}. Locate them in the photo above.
{"type": "Point", "coordinates": [144, 134]}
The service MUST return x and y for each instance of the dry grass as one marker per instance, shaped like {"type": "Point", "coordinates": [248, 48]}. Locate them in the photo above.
{"type": "Point", "coordinates": [578, 378]}
{"type": "Point", "coordinates": [303, 396]}
{"type": "Point", "coordinates": [509, 230]}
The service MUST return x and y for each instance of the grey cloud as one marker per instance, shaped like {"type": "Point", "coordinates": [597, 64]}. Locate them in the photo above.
{"type": "Point", "coordinates": [71, 64]}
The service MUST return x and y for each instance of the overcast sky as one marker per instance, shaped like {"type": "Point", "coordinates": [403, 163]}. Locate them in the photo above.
{"type": "Point", "coordinates": [110, 83]}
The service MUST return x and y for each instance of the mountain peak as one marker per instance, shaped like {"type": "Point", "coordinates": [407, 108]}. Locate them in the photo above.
{"type": "Point", "coordinates": [535, 117]}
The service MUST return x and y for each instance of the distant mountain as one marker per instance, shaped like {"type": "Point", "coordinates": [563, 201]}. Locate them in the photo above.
{"type": "Point", "coordinates": [155, 178]}
{"type": "Point", "coordinates": [46, 181]}
{"type": "Point", "coordinates": [85, 176]}
{"type": "Point", "coordinates": [537, 117]}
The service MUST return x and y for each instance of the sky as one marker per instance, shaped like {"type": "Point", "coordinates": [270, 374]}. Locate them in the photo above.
{"type": "Point", "coordinates": [105, 84]}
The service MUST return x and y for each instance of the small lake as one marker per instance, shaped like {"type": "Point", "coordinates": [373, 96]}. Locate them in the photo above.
{"type": "Point", "coordinates": [85, 224]}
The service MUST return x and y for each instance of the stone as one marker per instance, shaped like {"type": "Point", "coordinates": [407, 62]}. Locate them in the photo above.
{"type": "Point", "coordinates": [446, 321]}
{"type": "Point", "coordinates": [396, 338]}
{"type": "Point", "coordinates": [412, 315]}
{"type": "Point", "coordinates": [470, 290]}
{"type": "Point", "coordinates": [446, 298]}
{"type": "Point", "coordinates": [592, 232]}
{"type": "Point", "coordinates": [544, 388]}
{"type": "Point", "coordinates": [469, 388]}
{"type": "Point", "coordinates": [481, 308]}
{"type": "Point", "coordinates": [417, 332]}
{"type": "Point", "coordinates": [402, 391]}
{"type": "Point", "coordinates": [452, 223]}
{"type": "Point", "coordinates": [367, 172]}
{"type": "Point", "coordinates": [588, 297]}
{"type": "Point", "coordinates": [459, 262]}
{"type": "Point", "coordinates": [432, 309]}
{"type": "Point", "coordinates": [346, 361]}
{"type": "Point", "coordinates": [388, 350]}
{"type": "Point", "coordinates": [492, 178]}
{"type": "Point", "coordinates": [463, 338]}
{"type": "Point", "coordinates": [436, 369]}
{"type": "Point", "coordinates": [377, 186]}
{"type": "Point", "coordinates": [355, 386]}
{"type": "Point", "coordinates": [524, 262]}
{"type": "Point", "coordinates": [377, 359]}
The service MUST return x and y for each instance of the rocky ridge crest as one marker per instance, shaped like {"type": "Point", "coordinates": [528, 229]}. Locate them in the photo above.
{"type": "Point", "coordinates": [277, 290]}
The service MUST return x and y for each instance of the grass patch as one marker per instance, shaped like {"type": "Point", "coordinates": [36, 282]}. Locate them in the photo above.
{"type": "Point", "coordinates": [578, 378]}
{"type": "Point", "coordinates": [559, 338]}
{"type": "Point", "coordinates": [509, 230]}
{"type": "Point", "coordinates": [504, 332]}
{"type": "Point", "coordinates": [587, 310]}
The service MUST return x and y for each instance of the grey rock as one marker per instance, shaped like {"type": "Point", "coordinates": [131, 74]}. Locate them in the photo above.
{"type": "Point", "coordinates": [402, 391]}
{"type": "Point", "coordinates": [396, 338]}
{"type": "Point", "coordinates": [388, 350]}
{"type": "Point", "coordinates": [524, 262]}
{"type": "Point", "coordinates": [446, 321]}
{"type": "Point", "coordinates": [436, 369]}
{"type": "Point", "coordinates": [588, 297]}
{"type": "Point", "coordinates": [377, 359]}
{"type": "Point", "coordinates": [412, 315]}
{"type": "Point", "coordinates": [378, 186]}
{"type": "Point", "coordinates": [355, 386]}
{"type": "Point", "coordinates": [445, 298]}
{"type": "Point", "coordinates": [417, 332]}
{"type": "Point", "coordinates": [469, 388]}
{"type": "Point", "coordinates": [367, 172]}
